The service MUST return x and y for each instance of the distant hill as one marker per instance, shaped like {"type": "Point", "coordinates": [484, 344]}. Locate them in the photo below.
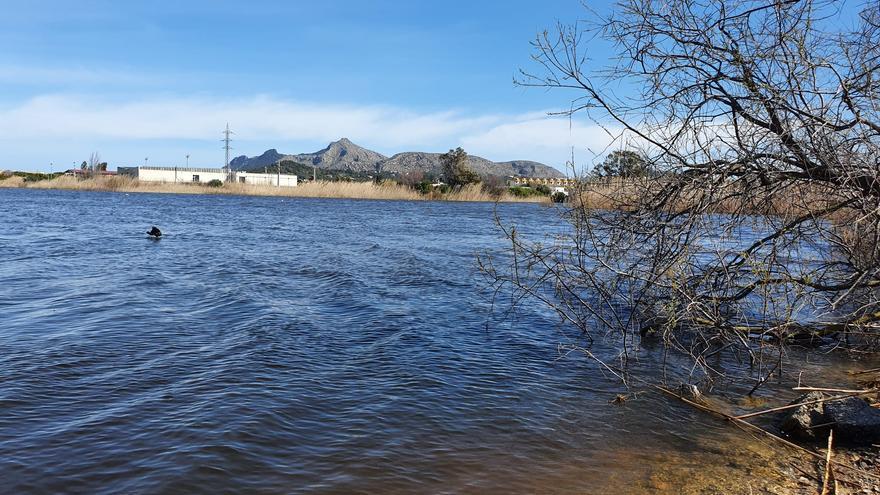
{"type": "Point", "coordinates": [430, 162]}
{"type": "Point", "coordinates": [343, 155]}
{"type": "Point", "coordinates": [270, 157]}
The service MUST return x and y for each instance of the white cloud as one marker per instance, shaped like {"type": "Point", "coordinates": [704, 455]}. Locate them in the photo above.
{"type": "Point", "coordinates": [532, 136]}
{"type": "Point", "coordinates": [554, 138]}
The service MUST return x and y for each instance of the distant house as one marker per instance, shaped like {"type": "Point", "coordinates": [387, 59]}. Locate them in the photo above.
{"type": "Point", "coordinates": [198, 175]}
{"type": "Point", "coordinates": [517, 181]}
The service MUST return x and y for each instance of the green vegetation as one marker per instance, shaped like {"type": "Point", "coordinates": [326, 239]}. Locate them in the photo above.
{"type": "Point", "coordinates": [542, 188]}
{"type": "Point", "coordinates": [525, 192]}
{"type": "Point", "coordinates": [214, 183]}
{"type": "Point", "coordinates": [625, 164]}
{"type": "Point", "coordinates": [295, 168]}
{"type": "Point", "coordinates": [306, 172]}
{"type": "Point", "coordinates": [30, 176]}
{"type": "Point", "coordinates": [537, 190]}
{"type": "Point", "coordinates": [456, 170]}
{"type": "Point", "coordinates": [455, 175]}
{"type": "Point", "coordinates": [423, 187]}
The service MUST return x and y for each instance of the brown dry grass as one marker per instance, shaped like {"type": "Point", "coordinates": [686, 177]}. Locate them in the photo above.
{"type": "Point", "coordinates": [629, 194]}
{"type": "Point", "coordinates": [12, 182]}
{"type": "Point", "coordinates": [349, 190]}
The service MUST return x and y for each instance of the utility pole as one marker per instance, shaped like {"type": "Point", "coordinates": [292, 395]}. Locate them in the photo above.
{"type": "Point", "coordinates": [175, 169]}
{"type": "Point", "coordinates": [230, 175]}
{"type": "Point", "coordinates": [279, 173]}
{"type": "Point", "coordinates": [314, 173]}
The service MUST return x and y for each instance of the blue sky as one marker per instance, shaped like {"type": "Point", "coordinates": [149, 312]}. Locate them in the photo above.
{"type": "Point", "coordinates": [160, 79]}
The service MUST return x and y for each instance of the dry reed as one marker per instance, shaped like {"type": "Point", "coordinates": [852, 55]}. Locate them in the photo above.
{"type": "Point", "coordinates": [321, 189]}
{"type": "Point", "coordinates": [13, 181]}
{"type": "Point", "coordinates": [629, 194]}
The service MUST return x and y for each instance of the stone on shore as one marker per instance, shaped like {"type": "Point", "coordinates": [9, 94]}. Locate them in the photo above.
{"type": "Point", "coordinates": [802, 422]}
{"type": "Point", "coordinates": [853, 420]}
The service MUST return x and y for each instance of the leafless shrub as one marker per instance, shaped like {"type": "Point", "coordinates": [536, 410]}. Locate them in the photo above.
{"type": "Point", "coordinates": [760, 226]}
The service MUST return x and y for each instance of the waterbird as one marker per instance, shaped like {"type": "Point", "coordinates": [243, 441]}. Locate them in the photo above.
{"type": "Point", "coordinates": [155, 232]}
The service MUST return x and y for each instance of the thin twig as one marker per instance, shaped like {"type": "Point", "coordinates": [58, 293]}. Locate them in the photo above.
{"type": "Point", "coordinates": [792, 406]}
{"type": "Point", "coordinates": [827, 465]}
{"type": "Point", "coordinates": [873, 370]}
{"type": "Point", "coordinates": [838, 390]}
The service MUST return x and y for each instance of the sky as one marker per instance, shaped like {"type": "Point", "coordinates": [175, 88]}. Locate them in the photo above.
{"type": "Point", "coordinates": [155, 81]}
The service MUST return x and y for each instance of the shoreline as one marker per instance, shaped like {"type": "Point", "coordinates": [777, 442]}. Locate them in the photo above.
{"type": "Point", "coordinates": [322, 189]}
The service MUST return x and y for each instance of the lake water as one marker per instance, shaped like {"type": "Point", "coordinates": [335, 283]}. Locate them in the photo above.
{"type": "Point", "coordinates": [276, 345]}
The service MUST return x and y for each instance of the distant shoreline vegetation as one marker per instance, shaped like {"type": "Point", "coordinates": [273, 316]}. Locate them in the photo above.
{"type": "Point", "coordinates": [342, 188]}
{"type": "Point", "coordinates": [457, 181]}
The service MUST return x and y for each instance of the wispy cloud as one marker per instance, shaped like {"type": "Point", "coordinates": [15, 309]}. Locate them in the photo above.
{"type": "Point", "coordinates": [540, 135]}
{"type": "Point", "coordinates": [532, 136]}
{"type": "Point", "coordinates": [66, 76]}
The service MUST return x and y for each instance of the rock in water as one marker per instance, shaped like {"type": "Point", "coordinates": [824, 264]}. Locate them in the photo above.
{"type": "Point", "coordinates": [853, 420]}
{"type": "Point", "coordinates": [802, 422]}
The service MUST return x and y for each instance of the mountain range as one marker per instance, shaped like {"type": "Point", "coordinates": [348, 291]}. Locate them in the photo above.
{"type": "Point", "coordinates": [343, 155]}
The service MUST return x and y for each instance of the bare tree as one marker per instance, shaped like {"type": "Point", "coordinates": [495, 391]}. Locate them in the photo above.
{"type": "Point", "coordinates": [411, 178]}
{"type": "Point", "coordinates": [760, 226]}
{"type": "Point", "coordinates": [94, 163]}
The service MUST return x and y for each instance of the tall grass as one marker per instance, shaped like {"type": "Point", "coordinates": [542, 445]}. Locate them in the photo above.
{"type": "Point", "coordinates": [320, 189]}
{"type": "Point", "coordinates": [13, 181]}
{"type": "Point", "coordinates": [629, 194]}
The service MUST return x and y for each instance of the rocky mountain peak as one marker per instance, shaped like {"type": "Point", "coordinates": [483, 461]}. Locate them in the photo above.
{"type": "Point", "coordinates": [269, 157]}
{"type": "Point", "coordinates": [346, 155]}
{"type": "Point", "coordinates": [343, 155]}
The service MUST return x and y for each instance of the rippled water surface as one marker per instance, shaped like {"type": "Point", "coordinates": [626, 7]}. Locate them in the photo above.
{"type": "Point", "coordinates": [270, 345]}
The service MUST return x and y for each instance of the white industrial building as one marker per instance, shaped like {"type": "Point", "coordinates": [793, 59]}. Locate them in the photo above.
{"type": "Point", "coordinates": [186, 174]}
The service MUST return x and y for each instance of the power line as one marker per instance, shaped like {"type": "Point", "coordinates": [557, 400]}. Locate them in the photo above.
{"type": "Point", "coordinates": [230, 175]}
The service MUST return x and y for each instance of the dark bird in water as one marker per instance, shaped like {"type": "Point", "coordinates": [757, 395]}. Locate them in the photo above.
{"type": "Point", "coordinates": [155, 232]}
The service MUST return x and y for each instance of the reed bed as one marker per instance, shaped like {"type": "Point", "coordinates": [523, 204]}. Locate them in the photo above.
{"type": "Point", "coordinates": [321, 189]}
{"type": "Point", "coordinates": [630, 194]}
{"type": "Point", "coordinates": [12, 182]}
{"type": "Point", "coordinates": [599, 195]}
